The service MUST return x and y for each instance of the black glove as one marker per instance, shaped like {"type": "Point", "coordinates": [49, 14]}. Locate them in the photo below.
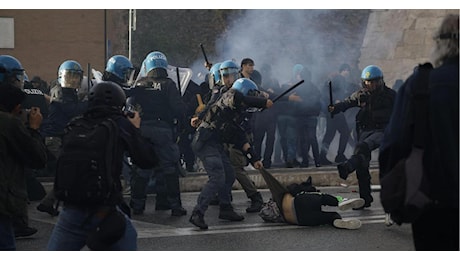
{"type": "Point", "coordinates": [252, 155]}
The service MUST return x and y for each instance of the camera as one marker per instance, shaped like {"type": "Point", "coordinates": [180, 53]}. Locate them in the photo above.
{"type": "Point", "coordinates": [129, 111]}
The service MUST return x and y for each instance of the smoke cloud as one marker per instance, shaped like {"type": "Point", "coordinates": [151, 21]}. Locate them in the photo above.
{"type": "Point", "coordinates": [283, 38]}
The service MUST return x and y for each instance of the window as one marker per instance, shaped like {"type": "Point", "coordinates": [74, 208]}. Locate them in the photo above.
{"type": "Point", "coordinates": [6, 33]}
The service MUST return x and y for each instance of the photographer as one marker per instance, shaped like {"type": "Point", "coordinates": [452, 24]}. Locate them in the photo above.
{"type": "Point", "coordinates": [375, 101]}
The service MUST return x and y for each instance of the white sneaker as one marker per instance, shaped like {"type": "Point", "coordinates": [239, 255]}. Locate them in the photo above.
{"type": "Point", "coordinates": [351, 204]}
{"type": "Point", "coordinates": [388, 220]}
{"type": "Point", "coordinates": [347, 224]}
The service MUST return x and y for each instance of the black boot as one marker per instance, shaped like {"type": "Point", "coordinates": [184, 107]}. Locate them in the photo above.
{"type": "Point", "coordinates": [323, 159]}
{"type": "Point", "coordinates": [177, 212]}
{"type": "Point", "coordinates": [348, 166]}
{"type": "Point", "coordinates": [256, 203]}
{"type": "Point", "coordinates": [197, 219]}
{"type": "Point", "coordinates": [340, 158]}
{"type": "Point", "coordinates": [226, 212]}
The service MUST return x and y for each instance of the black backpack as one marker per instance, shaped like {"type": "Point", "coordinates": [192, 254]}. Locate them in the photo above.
{"type": "Point", "coordinates": [84, 172]}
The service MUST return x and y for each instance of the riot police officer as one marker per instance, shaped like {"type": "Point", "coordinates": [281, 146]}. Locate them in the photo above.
{"type": "Point", "coordinates": [65, 105]}
{"type": "Point", "coordinates": [159, 103]}
{"type": "Point", "coordinates": [11, 71]}
{"type": "Point", "coordinates": [221, 125]}
{"type": "Point", "coordinates": [375, 100]}
{"type": "Point", "coordinates": [13, 74]}
{"type": "Point", "coordinates": [119, 70]}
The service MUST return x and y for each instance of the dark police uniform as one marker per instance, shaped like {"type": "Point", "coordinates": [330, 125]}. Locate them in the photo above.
{"type": "Point", "coordinates": [371, 121]}
{"type": "Point", "coordinates": [221, 124]}
{"type": "Point", "coordinates": [159, 103]}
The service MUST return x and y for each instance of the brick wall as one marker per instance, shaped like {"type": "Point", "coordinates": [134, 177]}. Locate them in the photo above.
{"type": "Point", "coordinates": [46, 38]}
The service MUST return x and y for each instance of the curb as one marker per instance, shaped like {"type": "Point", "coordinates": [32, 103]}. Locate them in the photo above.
{"type": "Point", "coordinates": [321, 177]}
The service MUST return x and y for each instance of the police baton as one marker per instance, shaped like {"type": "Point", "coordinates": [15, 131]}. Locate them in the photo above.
{"type": "Point", "coordinates": [204, 54]}
{"type": "Point", "coordinates": [331, 103]}
{"type": "Point", "coordinates": [285, 92]}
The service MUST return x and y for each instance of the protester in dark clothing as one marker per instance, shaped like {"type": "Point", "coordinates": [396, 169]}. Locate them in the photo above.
{"type": "Point", "coordinates": [76, 222]}
{"type": "Point", "coordinates": [437, 228]}
{"type": "Point", "coordinates": [193, 96]}
{"type": "Point", "coordinates": [375, 100]}
{"type": "Point", "coordinates": [265, 121]}
{"type": "Point", "coordinates": [287, 124]}
{"type": "Point", "coordinates": [337, 124]}
{"type": "Point", "coordinates": [306, 113]}
{"type": "Point", "coordinates": [221, 125]}
{"type": "Point", "coordinates": [159, 101]}
{"type": "Point", "coordinates": [301, 204]}
{"type": "Point", "coordinates": [21, 147]}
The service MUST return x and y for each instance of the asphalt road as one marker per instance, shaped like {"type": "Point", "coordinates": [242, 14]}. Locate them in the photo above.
{"type": "Point", "coordinates": [158, 231]}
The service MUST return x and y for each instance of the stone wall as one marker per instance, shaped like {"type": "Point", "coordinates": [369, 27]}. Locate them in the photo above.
{"type": "Point", "coordinates": [398, 40]}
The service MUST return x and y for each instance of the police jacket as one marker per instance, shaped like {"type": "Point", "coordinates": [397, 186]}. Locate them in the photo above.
{"type": "Point", "coordinates": [130, 142]}
{"type": "Point", "coordinates": [35, 98]}
{"type": "Point", "coordinates": [216, 93]}
{"type": "Point", "coordinates": [63, 107]}
{"type": "Point", "coordinates": [158, 99]}
{"type": "Point", "coordinates": [19, 147]}
{"type": "Point", "coordinates": [377, 110]}
{"type": "Point", "coordinates": [226, 117]}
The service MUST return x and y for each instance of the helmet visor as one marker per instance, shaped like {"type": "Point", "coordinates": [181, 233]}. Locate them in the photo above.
{"type": "Point", "coordinates": [228, 71]}
{"type": "Point", "coordinates": [71, 79]}
{"type": "Point", "coordinates": [19, 78]}
{"type": "Point", "coordinates": [129, 76]}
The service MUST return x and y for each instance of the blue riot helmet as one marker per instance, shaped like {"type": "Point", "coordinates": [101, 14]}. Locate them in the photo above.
{"type": "Point", "coordinates": [11, 71]}
{"type": "Point", "coordinates": [121, 67]}
{"type": "Point", "coordinates": [296, 70]}
{"type": "Point", "coordinates": [155, 60]}
{"type": "Point", "coordinates": [214, 75]}
{"type": "Point", "coordinates": [228, 68]}
{"type": "Point", "coordinates": [70, 74]}
{"type": "Point", "coordinates": [370, 74]}
{"type": "Point", "coordinates": [246, 87]}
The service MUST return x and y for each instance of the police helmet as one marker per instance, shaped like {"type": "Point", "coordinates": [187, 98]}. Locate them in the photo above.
{"type": "Point", "coordinates": [155, 60]}
{"type": "Point", "coordinates": [228, 67]}
{"type": "Point", "coordinates": [121, 67]}
{"type": "Point", "coordinates": [70, 74]}
{"type": "Point", "coordinates": [371, 72]}
{"type": "Point", "coordinates": [106, 93]}
{"type": "Point", "coordinates": [246, 87]}
{"type": "Point", "coordinates": [296, 70]}
{"type": "Point", "coordinates": [11, 71]}
{"type": "Point", "coordinates": [214, 78]}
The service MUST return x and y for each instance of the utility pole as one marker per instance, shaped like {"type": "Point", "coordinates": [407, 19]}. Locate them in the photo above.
{"type": "Point", "coordinates": [132, 28]}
